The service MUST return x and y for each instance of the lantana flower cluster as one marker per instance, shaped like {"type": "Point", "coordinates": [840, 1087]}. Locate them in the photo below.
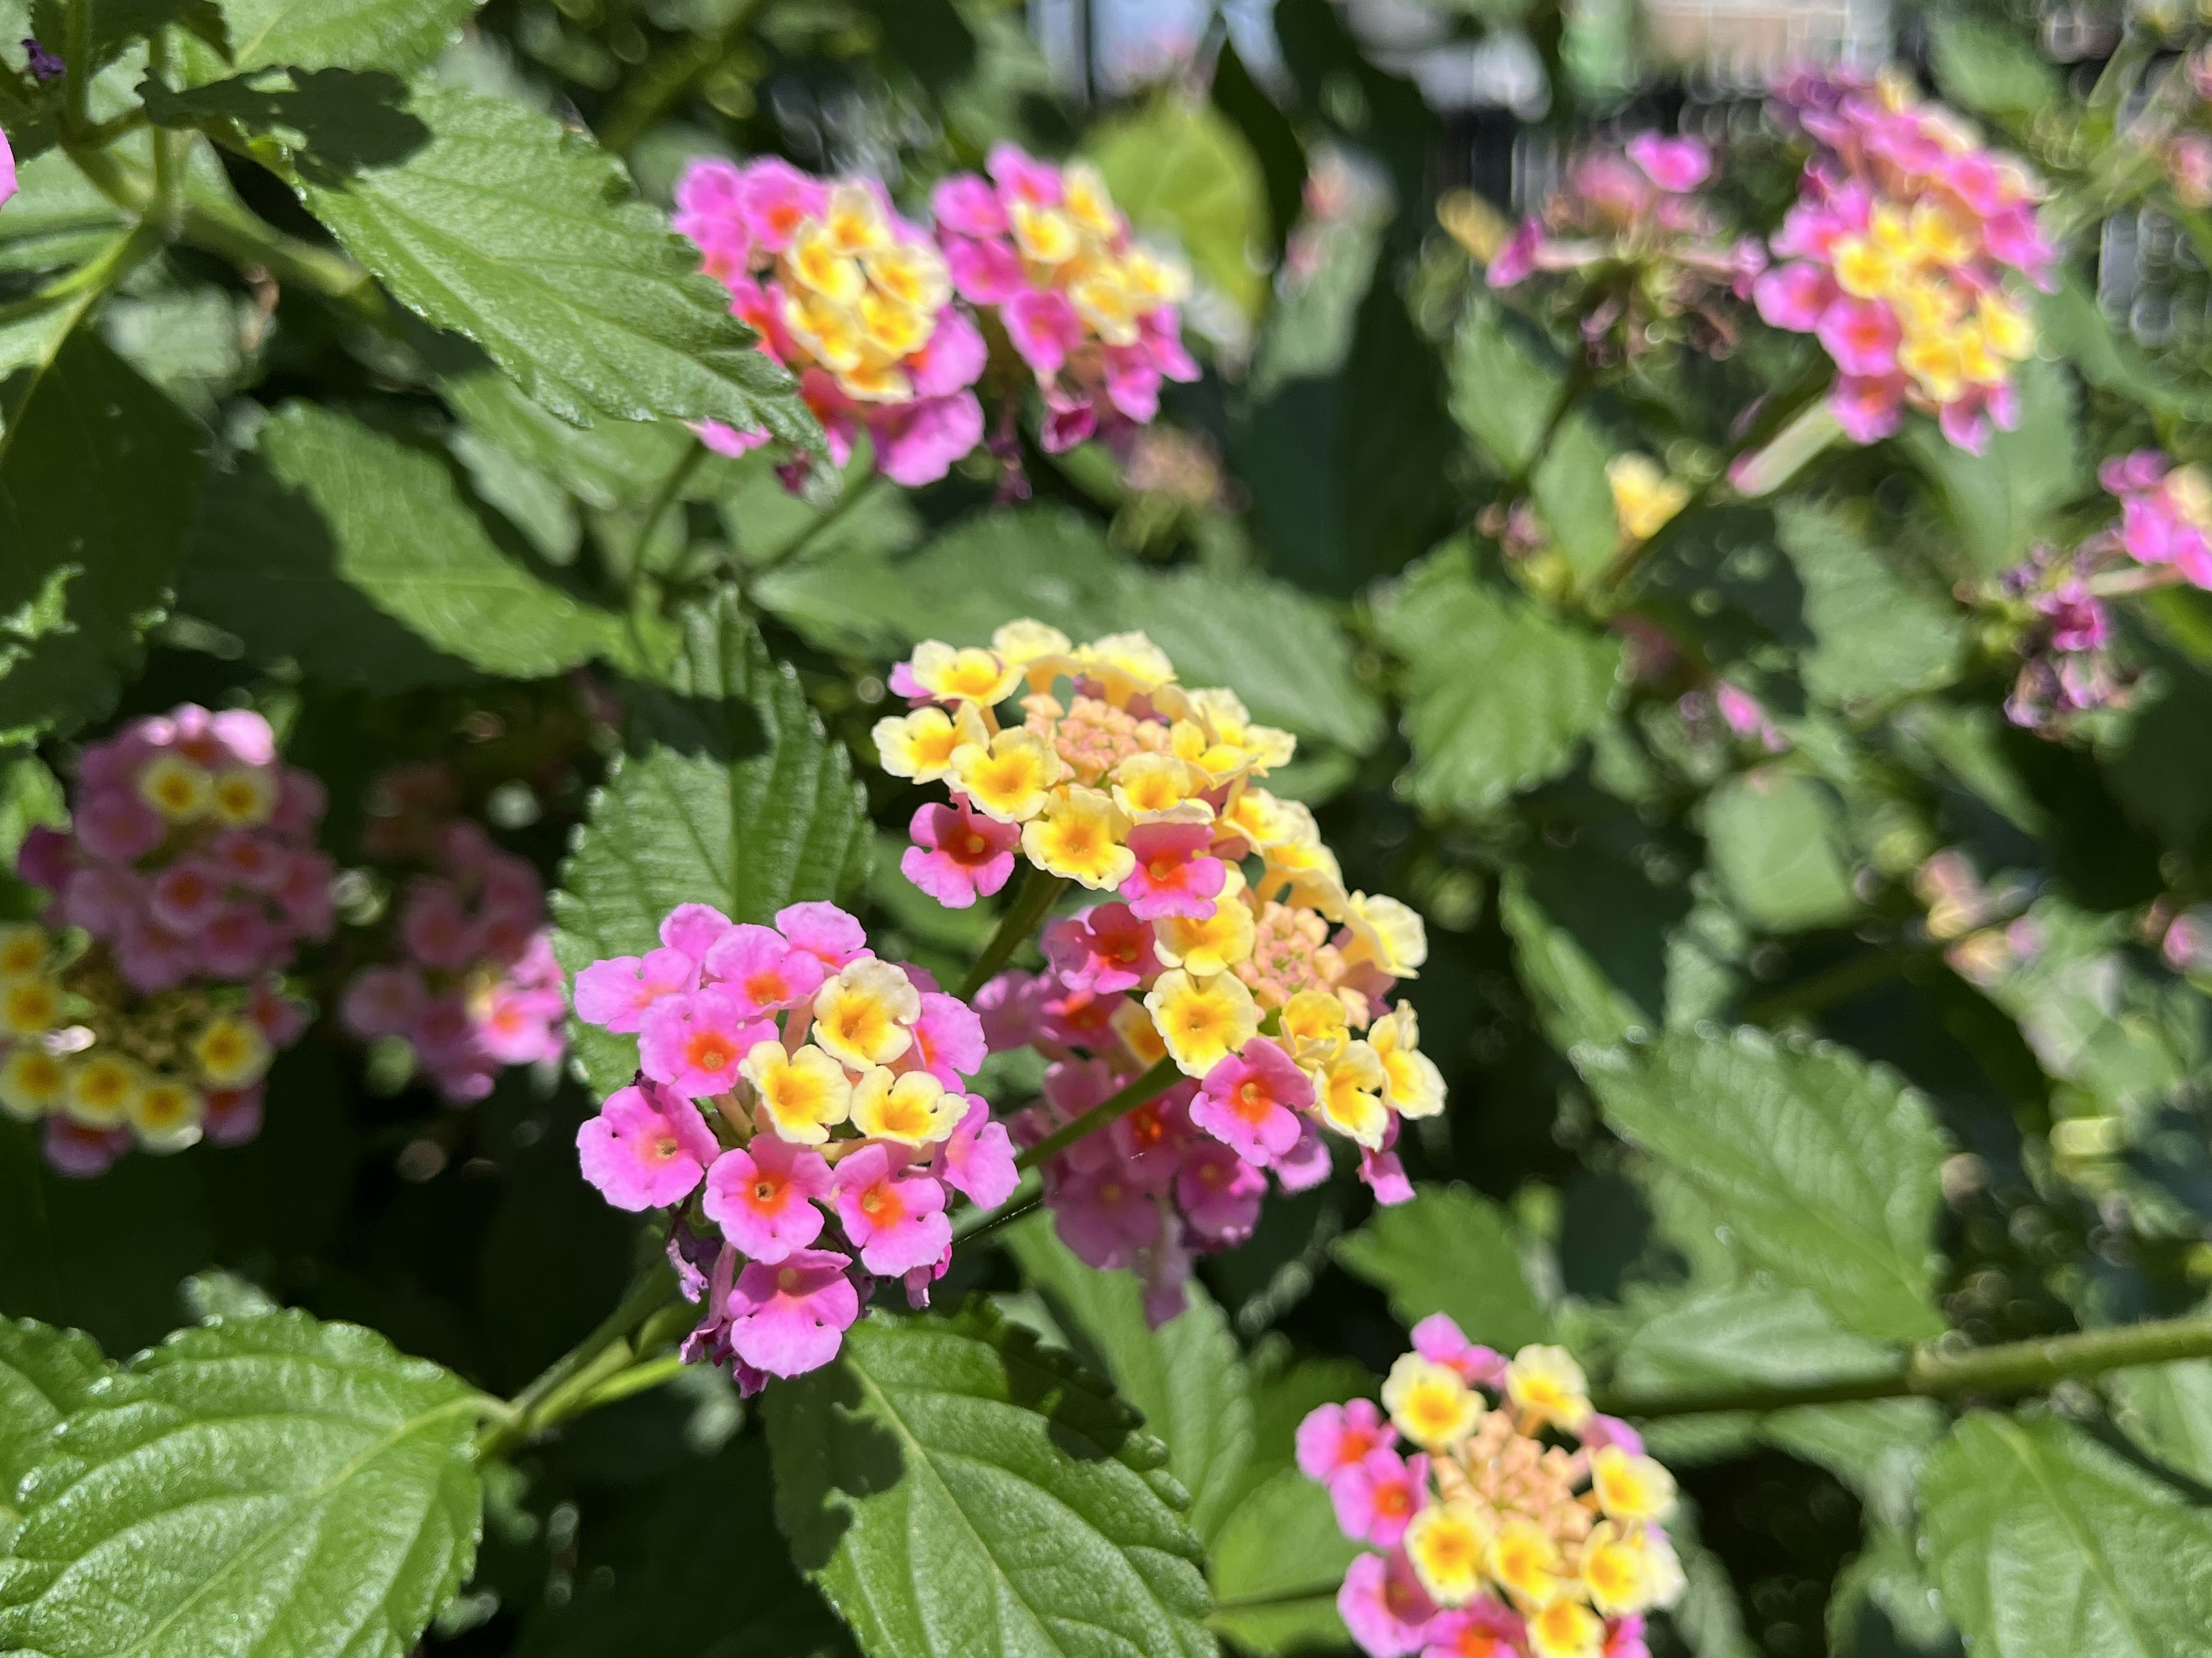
{"type": "Point", "coordinates": [1649, 255]}
{"type": "Point", "coordinates": [1094, 315]}
{"type": "Point", "coordinates": [800, 1104]}
{"type": "Point", "coordinates": [1222, 939]}
{"type": "Point", "coordinates": [1903, 255]}
{"type": "Point", "coordinates": [473, 987]}
{"type": "Point", "coordinates": [1508, 1518]}
{"type": "Point", "coordinates": [145, 1007]}
{"type": "Point", "coordinates": [854, 299]}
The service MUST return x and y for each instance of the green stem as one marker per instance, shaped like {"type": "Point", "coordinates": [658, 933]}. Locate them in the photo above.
{"type": "Point", "coordinates": [1155, 1082]}
{"type": "Point", "coordinates": [980, 1223]}
{"type": "Point", "coordinates": [2017, 1367]}
{"type": "Point", "coordinates": [532, 1410]}
{"type": "Point", "coordinates": [1834, 984]}
{"type": "Point", "coordinates": [664, 497]}
{"type": "Point", "coordinates": [76, 84]}
{"type": "Point", "coordinates": [166, 209]}
{"type": "Point", "coordinates": [874, 484]}
{"type": "Point", "coordinates": [1033, 899]}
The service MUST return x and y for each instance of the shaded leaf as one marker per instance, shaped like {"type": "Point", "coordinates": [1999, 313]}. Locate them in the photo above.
{"type": "Point", "coordinates": [401, 35]}
{"type": "Point", "coordinates": [45, 1374]}
{"type": "Point", "coordinates": [1991, 70]}
{"type": "Point", "coordinates": [1775, 838]}
{"type": "Point", "coordinates": [1277, 1565]}
{"type": "Point", "coordinates": [1876, 634]}
{"type": "Point", "coordinates": [1450, 1251]}
{"type": "Point", "coordinates": [1999, 502]}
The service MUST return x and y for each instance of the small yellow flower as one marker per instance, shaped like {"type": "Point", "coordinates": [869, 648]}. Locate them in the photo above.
{"type": "Point", "coordinates": [29, 1004]}
{"type": "Point", "coordinates": [1045, 235]}
{"type": "Point", "coordinates": [1080, 836]}
{"type": "Point", "coordinates": [1160, 789]}
{"type": "Point", "coordinates": [1214, 944]}
{"type": "Point", "coordinates": [1939, 236]}
{"type": "Point", "coordinates": [1566, 1629]}
{"type": "Point", "coordinates": [1010, 779]}
{"type": "Point", "coordinates": [1616, 1570]}
{"type": "Point", "coordinates": [920, 745]}
{"type": "Point", "coordinates": [2006, 327]}
{"type": "Point", "coordinates": [1221, 763]}
{"type": "Point", "coordinates": [1864, 269]}
{"type": "Point", "coordinates": [1349, 1092]}
{"type": "Point", "coordinates": [1644, 497]}
{"type": "Point", "coordinates": [1387, 933]}
{"type": "Point", "coordinates": [22, 949]}
{"type": "Point", "coordinates": [861, 1015]}
{"type": "Point", "coordinates": [979, 676]}
{"type": "Point", "coordinates": [1127, 664]}
{"type": "Point", "coordinates": [1025, 642]}
{"type": "Point", "coordinates": [854, 220]}
{"type": "Point", "coordinates": [817, 264]}
{"type": "Point", "coordinates": [1103, 299]}
{"type": "Point", "coordinates": [231, 1053]}
{"type": "Point", "coordinates": [880, 381]}
{"type": "Point", "coordinates": [32, 1081]}
{"type": "Point", "coordinates": [1138, 1033]}
{"type": "Point", "coordinates": [1445, 1541]}
{"type": "Point", "coordinates": [1430, 1403]}
{"type": "Point", "coordinates": [802, 1095]}
{"type": "Point", "coordinates": [1084, 195]}
{"type": "Point", "coordinates": [1937, 362]}
{"type": "Point", "coordinates": [1525, 1562]}
{"type": "Point", "coordinates": [1315, 1023]}
{"type": "Point", "coordinates": [1153, 281]}
{"type": "Point", "coordinates": [1231, 723]}
{"type": "Point", "coordinates": [1547, 1382]}
{"type": "Point", "coordinates": [1202, 1021]}
{"type": "Point", "coordinates": [895, 329]}
{"type": "Point", "coordinates": [913, 1109]}
{"type": "Point", "coordinates": [1311, 875]}
{"type": "Point", "coordinates": [245, 796]}
{"type": "Point", "coordinates": [167, 1114]}
{"type": "Point", "coordinates": [176, 788]}
{"type": "Point", "coordinates": [1411, 1084]}
{"type": "Point", "coordinates": [910, 273]}
{"type": "Point", "coordinates": [1631, 1489]}
{"type": "Point", "coordinates": [101, 1090]}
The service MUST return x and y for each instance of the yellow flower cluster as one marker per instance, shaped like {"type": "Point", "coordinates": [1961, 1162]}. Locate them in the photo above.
{"type": "Point", "coordinates": [860, 299]}
{"type": "Point", "coordinates": [1953, 334]}
{"type": "Point", "coordinates": [1082, 247]}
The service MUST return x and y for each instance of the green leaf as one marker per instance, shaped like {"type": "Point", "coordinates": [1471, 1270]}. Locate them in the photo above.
{"type": "Point", "coordinates": [735, 796]}
{"type": "Point", "coordinates": [510, 229]}
{"type": "Point", "coordinates": [274, 1485]}
{"type": "Point", "coordinates": [1502, 391]}
{"type": "Point", "coordinates": [1991, 70]}
{"type": "Point", "coordinates": [1187, 1377]}
{"type": "Point", "coordinates": [958, 1493]}
{"type": "Point", "coordinates": [2045, 1544]}
{"type": "Point", "coordinates": [1182, 167]}
{"type": "Point", "coordinates": [2001, 501]}
{"type": "Point", "coordinates": [1277, 1565]}
{"type": "Point", "coordinates": [1499, 692]}
{"type": "Point", "coordinates": [98, 473]}
{"type": "Point", "coordinates": [1450, 1251]}
{"type": "Point", "coordinates": [1574, 496]}
{"type": "Point", "coordinates": [401, 35]}
{"type": "Point", "coordinates": [1775, 838]}
{"type": "Point", "coordinates": [113, 24]}
{"type": "Point", "coordinates": [1820, 1168]}
{"type": "Point", "coordinates": [1876, 635]}
{"type": "Point", "coordinates": [45, 1375]}
{"type": "Point", "coordinates": [356, 554]}
{"type": "Point", "coordinates": [2167, 1409]}
{"type": "Point", "coordinates": [2070, 323]}
{"type": "Point", "coordinates": [606, 464]}
{"type": "Point", "coordinates": [1599, 941]}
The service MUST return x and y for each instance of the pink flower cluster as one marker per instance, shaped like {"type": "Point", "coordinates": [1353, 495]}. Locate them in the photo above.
{"type": "Point", "coordinates": [1639, 209]}
{"type": "Point", "coordinates": [2166, 514]}
{"type": "Point", "coordinates": [852, 298]}
{"type": "Point", "coordinates": [1900, 256]}
{"type": "Point", "coordinates": [801, 1103]}
{"type": "Point", "coordinates": [1089, 312]}
{"type": "Point", "coordinates": [475, 988]}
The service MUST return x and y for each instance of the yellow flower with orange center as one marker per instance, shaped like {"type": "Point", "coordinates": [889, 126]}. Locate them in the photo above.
{"type": "Point", "coordinates": [1386, 932]}
{"type": "Point", "coordinates": [1547, 1384]}
{"type": "Point", "coordinates": [1079, 835]}
{"type": "Point", "coordinates": [1159, 788]}
{"type": "Point", "coordinates": [913, 1109]}
{"type": "Point", "coordinates": [1315, 1023]}
{"type": "Point", "coordinates": [29, 1004]}
{"type": "Point", "coordinates": [814, 262]}
{"type": "Point", "coordinates": [1446, 1543]}
{"type": "Point", "coordinates": [1044, 235]}
{"type": "Point", "coordinates": [1231, 724]}
{"type": "Point", "coordinates": [1631, 1489]}
{"type": "Point", "coordinates": [23, 950]}
{"type": "Point", "coordinates": [802, 1095]}
{"type": "Point", "coordinates": [1027, 641]}
{"type": "Point", "coordinates": [1430, 1403]}
{"type": "Point", "coordinates": [100, 1090]}
{"type": "Point", "coordinates": [166, 1115]}
{"type": "Point", "coordinates": [1349, 1093]}
{"type": "Point", "coordinates": [176, 788]}
{"type": "Point", "coordinates": [1616, 1570]}
{"type": "Point", "coordinates": [1011, 778]}
{"type": "Point", "coordinates": [920, 745]}
{"type": "Point", "coordinates": [1566, 1629]}
{"type": "Point", "coordinates": [244, 796]}
{"type": "Point", "coordinates": [862, 1014]}
{"type": "Point", "coordinates": [1138, 1033]}
{"type": "Point", "coordinates": [230, 1052]}
{"type": "Point", "coordinates": [1525, 1561]}
{"type": "Point", "coordinates": [1214, 944]}
{"type": "Point", "coordinates": [1127, 664]}
{"type": "Point", "coordinates": [32, 1081]}
{"type": "Point", "coordinates": [1411, 1084]}
{"type": "Point", "coordinates": [1202, 1021]}
{"type": "Point", "coordinates": [1644, 497]}
{"type": "Point", "coordinates": [980, 676]}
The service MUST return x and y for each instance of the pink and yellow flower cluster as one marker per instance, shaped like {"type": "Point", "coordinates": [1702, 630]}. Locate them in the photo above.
{"type": "Point", "coordinates": [1903, 255]}
{"type": "Point", "coordinates": [1222, 939]}
{"type": "Point", "coordinates": [191, 869]}
{"type": "Point", "coordinates": [800, 1103]}
{"type": "Point", "coordinates": [1510, 1519]}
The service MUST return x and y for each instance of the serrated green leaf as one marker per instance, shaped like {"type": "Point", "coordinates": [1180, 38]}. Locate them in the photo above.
{"type": "Point", "coordinates": [958, 1493]}
{"type": "Point", "coordinates": [1820, 1168]}
{"type": "Point", "coordinates": [734, 796]}
{"type": "Point", "coordinates": [1775, 838]}
{"type": "Point", "coordinates": [2167, 1409]}
{"type": "Point", "coordinates": [356, 554]}
{"type": "Point", "coordinates": [1882, 1606]}
{"type": "Point", "coordinates": [1499, 693]}
{"type": "Point", "coordinates": [1502, 391]}
{"type": "Point", "coordinates": [2045, 1544]}
{"type": "Point", "coordinates": [1450, 1251]}
{"type": "Point", "coordinates": [401, 35]}
{"type": "Point", "coordinates": [609, 464]}
{"type": "Point", "coordinates": [274, 1485]}
{"type": "Point", "coordinates": [113, 24]}
{"type": "Point", "coordinates": [511, 230]}
{"type": "Point", "coordinates": [1574, 496]}
{"type": "Point", "coordinates": [1277, 1565]}
{"type": "Point", "coordinates": [1876, 635]}
{"type": "Point", "coordinates": [2001, 501]}
{"type": "Point", "coordinates": [45, 1374]}
{"type": "Point", "coordinates": [56, 218]}
{"type": "Point", "coordinates": [1187, 1377]}
{"type": "Point", "coordinates": [98, 475]}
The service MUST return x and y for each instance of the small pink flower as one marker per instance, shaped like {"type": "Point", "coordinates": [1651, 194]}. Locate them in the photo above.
{"type": "Point", "coordinates": [1334, 1438]}
{"type": "Point", "coordinates": [1385, 1175]}
{"type": "Point", "coordinates": [434, 925]}
{"type": "Point", "coordinates": [985, 272]}
{"type": "Point", "coordinates": [958, 856]}
{"type": "Point", "coordinates": [1441, 1341]}
{"type": "Point", "coordinates": [1044, 328]}
{"type": "Point", "coordinates": [382, 1001]}
{"type": "Point", "coordinates": [1012, 1008]}
{"type": "Point", "coordinates": [1861, 335]}
{"type": "Point", "coordinates": [1516, 261]}
{"type": "Point", "coordinates": [967, 206]}
{"type": "Point", "coordinates": [1173, 876]}
{"type": "Point", "coordinates": [1677, 166]}
{"type": "Point", "coordinates": [1103, 949]}
{"type": "Point", "coordinates": [1868, 408]}
{"type": "Point", "coordinates": [245, 736]}
{"type": "Point", "coordinates": [953, 360]}
{"type": "Point", "coordinates": [1485, 1628]}
{"type": "Point", "coordinates": [917, 442]}
{"type": "Point", "coordinates": [1021, 178]}
{"type": "Point", "coordinates": [1250, 1100]}
{"type": "Point", "coordinates": [695, 929]}
{"type": "Point", "coordinates": [1625, 1639]}
{"type": "Point", "coordinates": [102, 898]}
{"type": "Point", "coordinates": [305, 895]}
{"type": "Point", "coordinates": [1384, 1606]}
{"type": "Point", "coordinates": [72, 1149]}
{"type": "Point", "coordinates": [519, 1026]}
{"type": "Point", "coordinates": [615, 995]}
{"type": "Point", "coordinates": [301, 800]}
{"type": "Point", "coordinates": [824, 931]}
{"type": "Point", "coordinates": [979, 1157]}
{"type": "Point", "coordinates": [1306, 1164]}
{"type": "Point", "coordinates": [645, 1149]}
{"type": "Point", "coordinates": [774, 199]}
{"type": "Point", "coordinates": [248, 860]}
{"type": "Point", "coordinates": [696, 1042]}
{"type": "Point", "coordinates": [896, 1220]}
{"type": "Point", "coordinates": [1105, 1218]}
{"type": "Point", "coordinates": [233, 1114]}
{"type": "Point", "coordinates": [240, 942]}
{"type": "Point", "coordinates": [759, 967]}
{"type": "Point", "coordinates": [185, 896]}
{"type": "Point", "coordinates": [1599, 1431]}
{"type": "Point", "coordinates": [948, 1038]}
{"type": "Point", "coordinates": [47, 856]}
{"type": "Point", "coordinates": [764, 1197]}
{"type": "Point", "coordinates": [1377, 1495]}
{"type": "Point", "coordinates": [791, 1316]}
{"type": "Point", "coordinates": [1794, 296]}
{"type": "Point", "coordinates": [116, 825]}
{"type": "Point", "coordinates": [1219, 1194]}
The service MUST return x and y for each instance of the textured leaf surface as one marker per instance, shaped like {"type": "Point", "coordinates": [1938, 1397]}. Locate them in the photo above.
{"type": "Point", "coordinates": [1450, 1251]}
{"type": "Point", "coordinates": [1499, 693]}
{"type": "Point", "coordinates": [2045, 1544]}
{"type": "Point", "coordinates": [733, 796]}
{"type": "Point", "coordinates": [1775, 837]}
{"type": "Point", "coordinates": [1820, 1168]}
{"type": "Point", "coordinates": [45, 1375]}
{"type": "Point", "coordinates": [2000, 502]}
{"type": "Point", "coordinates": [271, 1487]}
{"type": "Point", "coordinates": [357, 556]}
{"type": "Point", "coordinates": [1277, 1566]}
{"type": "Point", "coordinates": [958, 1493]}
{"type": "Point", "coordinates": [402, 35]}
{"type": "Point", "coordinates": [508, 228]}
{"type": "Point", "coordinates": [1186, 1377]}
{"type": "Point", "coordinates": [1876, 634]}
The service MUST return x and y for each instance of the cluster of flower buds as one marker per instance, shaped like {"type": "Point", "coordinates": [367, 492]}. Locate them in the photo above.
{"type": "Point", "coordinates": [853, 299]}
{"type": "Point", "coordinates": [1517, 1524]}
{"type": "Point", "coordinates": [800, 1104]}
{"type": "Point", "coordinates": [1092, 313]}
{"type": "Point", "coordinates": [190, 863]}
{"type": "Point", "coordinates": [1900, 256]}
{"type": "Point", "coordinates": [475, 988]}
{"type": "Point", "coordinates": [1267, 990]}
{"type": "Point", "coordinates": [1651, 259]}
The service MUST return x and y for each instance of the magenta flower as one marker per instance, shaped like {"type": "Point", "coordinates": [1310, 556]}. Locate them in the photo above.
{"type": "Point", "coordinates": [1250, 1101]}
{"type": "Point", "coordinates": [979, 1157]}
{"type": "Point", "coordinates": [1173, 875]}
{"type": "Point", "coordinates": [825, 932]}
{"type": "Point", "coordinates": [764, 1197]}
{"type": "Point", "coordinates": [1441, 1341]}
{"type": "Point", "coordinates": [614, 995]}
{"type": "Point", "coordinates": [1104, 950]}
{"type": "Point", "coordinates": [1599, 1431]}
{"type": "Point", "coordinates": [696, 1042]}
{"type": "Point", "coordinates": [7, 170]}
{"type": "Point", "coordinates": [186, 896]}
{"type": "Point", "coordinates": [790, 1317]}
{"type": "Point", "coordinates": [1377, 1495]}
{"type": "Point", "coordinates": [757, 967]}
{"type": "Point", "coordinates": [645, 1149]}
{"type": "Point", "coordinates": [1219, 1194]}
{"type": "Point", "coordinates": [1516, 262]}
{"type": "Point", "coordinates": [1105, 1218]}
{"type": "Point", "coordinates": [1384, 1606]}
{"type": "Point", "coordinates": [958, 856]}
{"type": "Point", "coordinates": [1861, 335]}
{"type": "Point", "coordinates": [1489, 1626]}
{"type": "Point", "coordinates": [1677, 166]}
{"type": "Point", "coordinates": [1334, 1438]}
{"type": "Point", "coordinates": [1385, 1175]}
{"type": "Point", "coordinates": [434, 925]}
{"type": "Point", "coordinates": [896, 1220]}
{"type": "Point", "coordinates": [695, 929]}
{"type": "Point", "coordinates": [1305, 1165]}
{"type": "Point", "coordinates": [948, 1038]}
{"type": "Point", "coordinates": [117, 826]}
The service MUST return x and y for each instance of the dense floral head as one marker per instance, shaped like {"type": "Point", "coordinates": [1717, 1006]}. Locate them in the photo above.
{"type": "Point", "coordinates": [1510, 1518]}
{"type": "Point", "coordinates": [792, 1086]}
{"type": "Point", "coordinates": [854, 299]}
{"type": "Point", "coordinates": [1221, 938]}
{"type": "Point", "coordinates": [1903, 255]}
{"type": "Point", "coordinates": [1090, 312]}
